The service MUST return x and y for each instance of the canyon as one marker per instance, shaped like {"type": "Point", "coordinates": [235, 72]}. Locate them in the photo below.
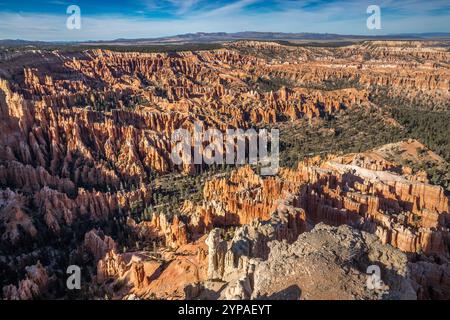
{"type": "Point", "coordinates": [86, 176]}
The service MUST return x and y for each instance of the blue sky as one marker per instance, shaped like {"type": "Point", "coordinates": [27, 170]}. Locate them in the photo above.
{"type": "Point", "coordinates": [104, 20]}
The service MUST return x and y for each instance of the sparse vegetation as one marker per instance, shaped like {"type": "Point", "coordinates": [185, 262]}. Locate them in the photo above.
{"type": "Point", "coordinates": [354, 130]}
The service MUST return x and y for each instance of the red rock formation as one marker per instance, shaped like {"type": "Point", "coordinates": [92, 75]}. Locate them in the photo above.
{"type": "Point", "coordinates": [140, 275]}
{"type": "Point", "coordinates": [84, 133]}
{"type": "Point", "coordinates": [32, 287]}
{"type": "Point", "coordinates": [13, 216]}
{"type": "Point", "coordinates": [98, 244]}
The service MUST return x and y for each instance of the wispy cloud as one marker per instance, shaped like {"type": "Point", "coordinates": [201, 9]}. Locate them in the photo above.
{"type": "Point", "coordinates": [231, 7]}
{"type": "Point", "coordinates": [175, 7]}
{"type": "Point", "coordinates": [184, 5]}
{"type": "Point", "coordinates": [169, 17]}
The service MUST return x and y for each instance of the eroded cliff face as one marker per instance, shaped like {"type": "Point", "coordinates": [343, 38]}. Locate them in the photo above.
{"type": "Point", "coordinates": [422, 66]}
{"type": "Point", "coordinates": [410, 215]}
{"type": "Point", "coordinates": [85, 134]}
{"type": "Point", "coordinates": [393, 213]}
{"type": "Point", "coordinates": [33, 286]}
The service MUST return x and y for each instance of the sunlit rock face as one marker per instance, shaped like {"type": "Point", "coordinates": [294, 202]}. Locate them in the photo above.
{"type": "Point", "coordinates": [86, 137]}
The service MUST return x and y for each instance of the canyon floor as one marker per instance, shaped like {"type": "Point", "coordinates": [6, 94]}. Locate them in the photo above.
{"type": "Point", "coordinates": [86, 176]}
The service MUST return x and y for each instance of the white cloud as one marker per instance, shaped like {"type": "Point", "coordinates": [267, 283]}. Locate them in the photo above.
{"type": "Point", "coordinates": [231, 8]}
{"type": "Point", "coordinates": [180, 6]}
{"type": "Point", "coordinates": [184, 5]}
{"type": "Point", "coordinates": [350, 19]}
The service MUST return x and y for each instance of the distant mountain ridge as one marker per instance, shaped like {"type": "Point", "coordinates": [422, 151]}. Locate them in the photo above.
{"type": "Point", "coordinates": [252, 35]}
{"type": "Point", "coordinates": [203, 37]}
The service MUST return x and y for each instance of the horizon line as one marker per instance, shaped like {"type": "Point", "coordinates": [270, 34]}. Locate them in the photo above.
{"type": "Point", "coordinates": [410, 34]}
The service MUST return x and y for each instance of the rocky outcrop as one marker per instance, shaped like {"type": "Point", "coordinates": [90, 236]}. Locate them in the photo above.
{"type": "Point", "coordinates": [142, 275]}
{"type": "Point", "coordinates": [227, 259]}
{"type": "Point", "coordinates": [111, 124]}
{"type": "Point", "coordinates": [132, 271]}
{"type": "Point", "coordinates": [331, 263]}
{"type": "Point", "coordinates": [13, 216]}
{"type": "Point", "coordinates": [98, 244]}
{"type": "Point", "coordinates": [409, 215]}
{"type": "Point", "coordinates": [327, 263]}
{"type": "Point", "coordinates": [84, 134]}
{"type": "Point", "coordinates": [32, 287]}
{"type": "Point", "coordinates": [432, 277]}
